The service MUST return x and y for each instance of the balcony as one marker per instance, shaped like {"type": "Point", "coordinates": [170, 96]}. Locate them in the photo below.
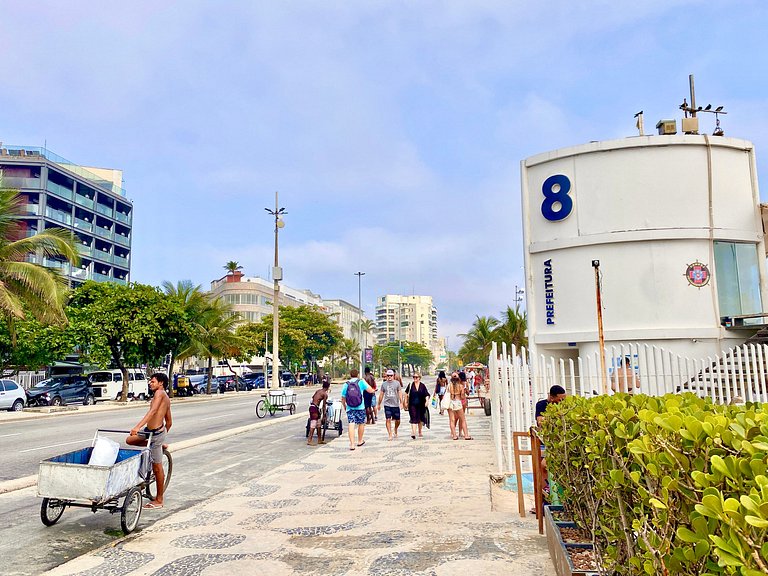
{"type": "Point", "coordinates": [103, 232]}
{"type": "Point", "coordinates": [120, 261]}
{"type": "Point", "coordinates": [102, 277]}
{"type": "Point", "coordinates": [122, 240]}
{"type": "Point", "coordinates": [106, 210]}
{"type": "Point", "coordinates": [81, 200]}
{"type": "Point", "coordinates": [80, 273]}
{"type": "Point", "coordinates": [122, 281]}
{"type": "Point", "coordinates": [125, 218]}
{"type": "Point", "coordinates": [81, 224]}
{"type": "Point", "coordinates": [84, 250]}
{"type": "Point", "coordinates": [50, 263]}
{"type": "Point", "coordinates": [60, 191]}
{"type": "Point", "coordinates": [17, 183]}
{"type": "Point", "coordinates": [30, 209]}
{"type": "Point", "coordinates": [58, 215]}
{"type": "Point", "coordinates": [102, 255]}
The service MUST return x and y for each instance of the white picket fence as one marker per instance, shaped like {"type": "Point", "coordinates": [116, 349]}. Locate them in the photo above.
{"type": "Point", "coordinates": [519, 381]}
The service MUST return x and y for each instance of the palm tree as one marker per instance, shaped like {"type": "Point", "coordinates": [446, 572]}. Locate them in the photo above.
{"type": "Point", "coordinates": [513, 328]}
{"type": "Point", "coordinates": [231, 267]}
{"type": "Point", "coordinates": [194, 303]}
{"type": "Point", "coordinates": [365, 326]}
{"type": "Point", "coordinates": [26, 285]}
{"type": "Point", "coordinates": [349, 349]}
{"type": "Point", "coordinates": [214, 335]}
{"type": "Point", "coordinates": [479, 339]}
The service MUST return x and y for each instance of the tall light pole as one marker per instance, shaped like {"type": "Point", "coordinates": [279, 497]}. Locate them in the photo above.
{"type": "Point", "coordinates": [360, 323]}
{"type": "Point", "coordinates": [277, 275]}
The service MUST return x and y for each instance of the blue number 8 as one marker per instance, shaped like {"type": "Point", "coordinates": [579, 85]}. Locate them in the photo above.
{"type": "Point", "coordinates": [559, 196]}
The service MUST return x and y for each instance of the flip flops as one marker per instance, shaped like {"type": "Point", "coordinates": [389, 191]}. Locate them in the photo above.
{"type": "Point", "coordinates": [361, 444]}
{"type": "Point", "coordinates": [152, 506]}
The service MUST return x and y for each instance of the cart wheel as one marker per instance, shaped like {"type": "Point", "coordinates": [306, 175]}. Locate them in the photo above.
{"type": "Point", "coordinates": [261, 411]}
{"type": "Point", "coordinates": [51, 510]}
{"type": "Point", "coordinates": [272, 410]}
{"type": "Point", "coordinates": [292, 408]}
{"type": "Point", "coordinates": [487, 406]}
{"type": "Point", "coordinates": [151, 489]}
{"type": "Point", "coordinates": [129, 517]}
{"type": "Point", "coordinates": [340, 427]}
{"type": "Point", "coordinates": [308, 421]}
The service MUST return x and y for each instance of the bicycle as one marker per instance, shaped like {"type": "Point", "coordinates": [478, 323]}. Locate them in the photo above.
{"type": "Point", "coordinates": [280, 401]}
{"type": "Point", "coordinates": [151, 488]}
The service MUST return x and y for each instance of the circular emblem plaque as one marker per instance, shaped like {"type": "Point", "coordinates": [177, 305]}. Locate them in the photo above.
{"type": "Point", "coordinates": [697, 274]}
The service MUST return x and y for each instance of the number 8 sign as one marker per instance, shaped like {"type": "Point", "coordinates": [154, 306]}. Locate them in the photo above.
{"type": "Point", "coordinates": [555, 190]}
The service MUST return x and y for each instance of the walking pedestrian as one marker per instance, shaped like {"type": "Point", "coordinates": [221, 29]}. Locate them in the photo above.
{"type": "Point", "coordinates": [353, 402]}
{"type": "Point", "coordinates": [440, 386]}
{"type": "Point", "coordinates": [465, 385]}
{"type": "Point", "coordinates": [369, 398]}
{"type": "Point", "coordinates": [457, 417]}
{"type": "Point", "coordinates": [391, 397]}
{"type": "Point", "coordinates": [416, 398]}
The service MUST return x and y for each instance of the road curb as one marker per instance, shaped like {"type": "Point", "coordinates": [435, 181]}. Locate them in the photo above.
{"type": "Point", "coordinates": [29, 481]}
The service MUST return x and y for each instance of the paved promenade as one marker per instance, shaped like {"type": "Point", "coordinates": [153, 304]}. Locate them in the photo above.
{"type": "Point", "coordinates": [422, 507]}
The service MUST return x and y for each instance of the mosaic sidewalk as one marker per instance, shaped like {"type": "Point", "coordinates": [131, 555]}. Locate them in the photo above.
{"type": "Point", "coordinates": [420, 507]}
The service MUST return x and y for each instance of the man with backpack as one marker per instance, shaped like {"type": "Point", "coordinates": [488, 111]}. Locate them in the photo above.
{"type": "Point", "coordinates": [353, 403]}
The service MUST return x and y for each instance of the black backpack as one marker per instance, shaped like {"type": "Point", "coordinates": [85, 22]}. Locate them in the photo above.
{"type": "Point", "coordinates": [354, 396]}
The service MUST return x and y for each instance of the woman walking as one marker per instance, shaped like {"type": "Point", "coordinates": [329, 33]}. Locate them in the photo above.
{"type": "Point", "coordinates": [417, 397]}
{"type": "Point", "coordinates": [457, 418]}
{"type": "Point", "coordinates": [440, 385]}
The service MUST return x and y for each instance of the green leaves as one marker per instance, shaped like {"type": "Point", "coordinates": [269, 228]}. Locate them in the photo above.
{"type": "Point", "coordinates": [672, 484]}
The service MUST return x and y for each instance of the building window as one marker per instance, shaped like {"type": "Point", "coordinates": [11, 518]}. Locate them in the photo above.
{"type": "Point", "coordinates": [738, 278]}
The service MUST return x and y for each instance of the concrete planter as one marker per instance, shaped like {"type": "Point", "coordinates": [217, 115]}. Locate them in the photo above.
{"type": "Point", "coordinates": [558, 550]}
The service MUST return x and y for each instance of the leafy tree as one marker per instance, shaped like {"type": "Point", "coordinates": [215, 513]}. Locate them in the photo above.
{"type": "Point", "coordinates": [305, 335]}
{"type": "Point", "coordinates": [34, 344]}
{"type": "Point", "coordinates": [479, 340]}
{"type": "Point", "coordinates": [25, 285]}
{"type": "Point", "coordinates": [416, 356]}
{"type": "Point", "coordinates": [124, 325]}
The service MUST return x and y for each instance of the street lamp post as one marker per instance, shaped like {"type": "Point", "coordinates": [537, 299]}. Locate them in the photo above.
{"type": "Point", "coordinates": [277, 275]}
{"type": "Point", "coordinates": [360, 322]}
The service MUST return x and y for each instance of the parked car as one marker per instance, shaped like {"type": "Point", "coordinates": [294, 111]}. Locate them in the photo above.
{"type": "Point", "coordinates": [253, 380]}
{"type": "Point", "coordinates": [287, 378]}
{"type": "Point", "coordinates": [108, 384]}
{"type": "Point", "coordinates": [61, 390]}
{"type": "Point", "coordinates": [12, 396]}
{"type": "Point", "coordinates": [200, 384]}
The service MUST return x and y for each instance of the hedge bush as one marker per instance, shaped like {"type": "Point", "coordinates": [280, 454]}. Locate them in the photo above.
{"type": "Point", "coordinates": [667, 485]}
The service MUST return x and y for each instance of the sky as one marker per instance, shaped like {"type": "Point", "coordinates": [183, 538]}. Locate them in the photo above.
{"type": "Point", "coordinates": [393, 131]}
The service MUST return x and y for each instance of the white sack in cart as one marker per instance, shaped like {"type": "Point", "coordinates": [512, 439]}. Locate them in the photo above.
{"type": "Point", "coordinates": [104, 452]}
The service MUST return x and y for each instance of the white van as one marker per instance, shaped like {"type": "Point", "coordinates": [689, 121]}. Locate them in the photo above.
{"type": "Point", "coordinates": [108, 384]}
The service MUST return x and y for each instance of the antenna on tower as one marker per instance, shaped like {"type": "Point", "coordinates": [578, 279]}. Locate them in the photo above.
{"type": "Point", "coordinates": [691, 124]}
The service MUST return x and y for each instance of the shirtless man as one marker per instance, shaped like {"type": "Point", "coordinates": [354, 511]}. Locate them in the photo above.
{"type": "Point", "coordinates": [158, 421]}
{"type": "Point", "coordinates": [628, 381]}
{"type": "Point", "coordinates": [317, 413]}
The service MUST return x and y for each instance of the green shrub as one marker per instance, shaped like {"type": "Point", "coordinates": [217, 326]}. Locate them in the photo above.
{"type": "Point", "coordinates": [669, 485]}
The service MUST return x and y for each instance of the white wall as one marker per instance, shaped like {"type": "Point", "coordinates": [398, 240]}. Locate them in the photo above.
{"type": "Point", "coordinates": [641, 206]}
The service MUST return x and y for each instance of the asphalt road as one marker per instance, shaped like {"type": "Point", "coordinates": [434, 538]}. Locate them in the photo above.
{"type": "Point", "coordinates": [27, 547]}
{"type": "Point", "coordinates": [24, 444]}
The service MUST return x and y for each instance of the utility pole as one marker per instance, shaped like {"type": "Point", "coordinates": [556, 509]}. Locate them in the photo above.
{"type": "Point", "coordinates": [277, 275]}
{"type": "Point", "coordinates": [360, 322]}
{"type": "Point", "coordinates": [600, 336]}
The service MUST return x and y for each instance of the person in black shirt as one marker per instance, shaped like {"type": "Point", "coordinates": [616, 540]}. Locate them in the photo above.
{"type": "Point", "coordinates": [556, 395]}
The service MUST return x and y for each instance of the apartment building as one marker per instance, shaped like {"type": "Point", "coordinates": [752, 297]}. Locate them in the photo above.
{"type": "Point", "coordinates": [90, 202]}
{"type": "Point", "coordinates": [410, 318]}
{"type": "Point", "coordinates": [347, 316]}
{"type": "Point", "coordinates": [251, 296]}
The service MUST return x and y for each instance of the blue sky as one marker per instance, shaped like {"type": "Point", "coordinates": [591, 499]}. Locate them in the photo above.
{"type": "Point", "coordinates": [392, 130]}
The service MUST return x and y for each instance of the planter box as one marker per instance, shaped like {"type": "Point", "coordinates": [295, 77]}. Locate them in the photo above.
{"type": "Point", "coordinates": [557, 548]}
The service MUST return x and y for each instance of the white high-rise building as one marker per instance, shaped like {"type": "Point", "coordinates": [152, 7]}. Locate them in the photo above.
{"type": "Point", "coordinates": [407, 318]}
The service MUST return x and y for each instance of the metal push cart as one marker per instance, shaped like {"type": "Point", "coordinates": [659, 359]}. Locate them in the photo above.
{"type": "Point", "coordinates": [332, 419]}
{"type": "Point", "coordinates": [275, 400]}
{"type": "Point", "coordinates": [68, 480]}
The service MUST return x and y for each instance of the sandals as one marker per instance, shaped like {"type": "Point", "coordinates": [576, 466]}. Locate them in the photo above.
{"type": "Point", "coordinates": [469, 438]}
{"type": "Point", "coordinates": [361, 444]}
{"type": "Point", "coordinates": [152, 506]}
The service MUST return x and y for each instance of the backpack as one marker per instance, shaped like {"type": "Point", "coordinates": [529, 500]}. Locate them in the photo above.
{"type": "Point", "coordinates": [354, 396]}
